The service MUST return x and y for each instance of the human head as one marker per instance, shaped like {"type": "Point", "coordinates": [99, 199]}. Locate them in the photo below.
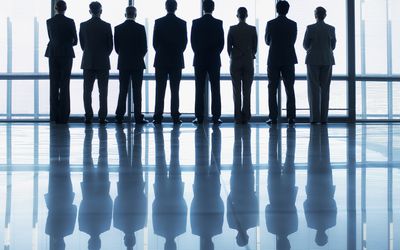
{"type": "Point", "coordinates": [130, 12]}
{"type": "Point", "coordinates": [171, 6]}
{"type": "Point", "coordinates": [282, 7]}
{"type": "Point", "coordinates": [320, 13]}
{"type": "Point", "coordinates": [208, 6]}
{"type": "Point", "coordinates": [242, 13]}
{"type": "Point", "coordinates": [95, 8]}
{"type": "Point", "coordinates": [60, 6]}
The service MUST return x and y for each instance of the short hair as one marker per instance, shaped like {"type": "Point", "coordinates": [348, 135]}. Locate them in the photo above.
{"type": "Point", "coordinates": [171, 5]}
{"type": "Point", "coordinates": [130, 11]}
{"type": "Point", "coordinates": [282, 7]}
{"type": "Point", "coordinates": [208, 6]}
{"type": "Point", "coordinates": [242, 13]}
{"type": "Point", "coordinates": [320, 13]}
{"type": "Point", "coordinates": [95, 7]}
{"type": "Point", "coordinates": [60, 6]}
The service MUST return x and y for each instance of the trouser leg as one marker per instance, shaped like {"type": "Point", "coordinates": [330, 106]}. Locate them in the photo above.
{"type": "Point", "coordinates": [200, 81]}
{"type": "Point", "coordinates": [161, 84]}
{"type": "Point", "coordinates": [103, 77]}
{"type": "Point", "coordinates": [124, 80]}
{"type": "Point", "coordinates": [89, 76]}
{"type": "Point", "coordinates": [273, 83]}
{"type": "Point", "coordinates": [137, 80]}
{"type": "Point", "coordinates": [314, 92]}
{"type": "Point", "coordinates": [288, 76]}
{"type": "Point", "coordinates": [214, 74]}
{"type": "Point", "coordinates": [175, 76]}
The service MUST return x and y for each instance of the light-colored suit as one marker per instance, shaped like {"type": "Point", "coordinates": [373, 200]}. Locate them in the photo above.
{"type": "Point", "coordinates": [242, 47]}
{"type": "Point", "coordinates": [319, 41]}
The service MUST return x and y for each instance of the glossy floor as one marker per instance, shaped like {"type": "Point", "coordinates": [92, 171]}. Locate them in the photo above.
{"type": "Point", "coordinates": [186, 187]}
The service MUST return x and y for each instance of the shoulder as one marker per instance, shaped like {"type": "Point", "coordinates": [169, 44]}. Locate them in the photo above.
{"type": "Point", "coordinates": [292, 22]}
{"type": "Point", "coordinates": [218, 21]}
{"type": "Point", "coordinates": [181, 21]}
{"type": "Point", "coordinates": [330, 27]}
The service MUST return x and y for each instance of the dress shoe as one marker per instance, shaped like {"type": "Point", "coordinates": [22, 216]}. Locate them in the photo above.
{"type": "Point", "coordinates": [197, 121]}
{"type": "Point", "coordinates": [291, 121]}
{"type": "Point", "coordinates": [88, 120]}
{"type": "Point", "coordinates": [142, 121]}
{"type": "Point", "coordinates": [103, 121]}
{"type": "Point", "coordinates": [272, 121]}
{"type": "Point", "coordinates": [177, 121]}
{"type": "Point", "coordinates": [119, 120]}
{"type": "Point", "coordinates": [156, 121]}
{"type": "Point", "coordinates": [217, 121]}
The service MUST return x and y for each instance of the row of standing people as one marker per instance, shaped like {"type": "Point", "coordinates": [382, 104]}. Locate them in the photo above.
{"type": "Point", "coordinates": [170, 211]}
{"type": "Point", "coordinates": [170, 41]}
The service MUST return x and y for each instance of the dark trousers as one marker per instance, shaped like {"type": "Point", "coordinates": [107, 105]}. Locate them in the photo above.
{"type": "Point", "coordinates": [60, 75]}
{"type": "Point", "coordinates": [242, 72]}
{"type": "Point", "coordinates": [200, 78]}
{"type": "Point", "coordinates": [162, 75]}
{"type": "Point", "coordinates": [125, 78]}
{"type": "Point", "coordinates": [319, 81]}
{"type": "Point", "coordinates": [89, 77]}
{"type": "Point", "coordinates": [274, 76]}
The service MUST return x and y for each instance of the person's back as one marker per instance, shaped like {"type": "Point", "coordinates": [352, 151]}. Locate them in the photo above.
{"type": "Point", "coordinates": [320, 44]}
{"type": "Point", "coordinates": [243, 38]}
{"type": "Point", "coordinates": [62, 34]}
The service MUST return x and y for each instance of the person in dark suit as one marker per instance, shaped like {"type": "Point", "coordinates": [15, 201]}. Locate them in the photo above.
{"type": "Point", "coordinates": [207, 38]}
{"type": "Point", "coordinates": [207, 208]}
{"type": "Point", "coordinates": [169, 42]}
{"type": "Point", "coordinates": [130, 205]}
{"type": "Point", "coordinates": [169, 206]}
{"type": "Point", "coordinates": [131, 46]}
{"type": "Point", "coordinates": [242, 49]}
{"type": "Point", "coordinates": [62, 35]}
{"type": "Point", "coordinates": [61, 217]}
{"type": "Point", "coordinates": [96, 40]}
{"type": "Point", "coordinates": [319, 41]}
{"type": "Point", "coordinates": [242, 204]}
{"type": "Point", "coordinates": [280, 35]}
{"type": "Point", "coordinates": [281, 212]}
{"type": "Point", "coordinates": [320, 206]}
{"type": "Point", "coordinates": [95, 210]}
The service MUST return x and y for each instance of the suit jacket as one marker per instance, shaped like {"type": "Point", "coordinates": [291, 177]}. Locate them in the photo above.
{"type": "Point", "coordinates": [62, 35]}
{"type": "Point", "coordinates": [169, 41]}
{"type": "Point", "coordinates": [320, 41]}
{"type": "Point", "coordinates": [280, 35]}
{"type": "Point", "coordinates": [242, 42]}
{"type": "Point", "coordinates": [207, 38]}
{"type": "Point", "coordinates": [96, 40]}
{"type": "Point", "coordinates": [130, 45]}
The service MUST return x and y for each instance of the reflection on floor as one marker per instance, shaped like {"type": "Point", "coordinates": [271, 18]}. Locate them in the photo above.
{"type": "Point", "coordinates": [206, 187]}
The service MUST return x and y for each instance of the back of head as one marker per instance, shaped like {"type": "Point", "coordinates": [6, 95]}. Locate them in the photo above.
{"type": "Point", "coordinates": [60, 6]}
{"type": "Point", "coordinates": [95, 8]}
{"type": "Point", "coordinates": [130, 12]}
{"type": "Point", "coordinates": [171, 6]}
{"type": "Point", "coordinates": [282, 7]}
{"type": "Point", "coordinates": [320, 13]}
{"type": "Point", "coordinates": [208, 6]}
{"type": "Point", "coordinates": [242, 13]}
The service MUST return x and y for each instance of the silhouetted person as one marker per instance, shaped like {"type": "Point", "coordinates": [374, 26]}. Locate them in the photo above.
{"type": "Point", "coordinates": [281, 213]}
{"type": "Point", "coordinates": [320, 206]}
{"type": "Point", "coordinates": [131, 46]}
{"type": "Point", "coordinates": [130, 205]}
{"type": "Point", "coordinates": [319, 41]}
{"type": "Point", "coordinates": [242, 204]}
{"type": "Point", "coordinates": [242, 49]}
{"type": "Point", "coordinates": [207, 208]}
{"type": "Point", "coordinates": [62, 35]}
{"type": "Point", "coordinates": [169, 42]}
{"type": "Point", "coordinates": [59, 199]}
{"type": "Point", "coordinates": [169, 206]}
{"type": "Point", "coordinates": [207, 38]}
{"type": "Point", "coordinates": [280, 35]}
{"type": "Point", "coordinates": [96, 40]}
{"type": "Point", "coordinates": [95, 210]}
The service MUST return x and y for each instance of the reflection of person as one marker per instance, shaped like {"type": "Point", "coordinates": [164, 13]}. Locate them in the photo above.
{"type": "Point", "coordinates": [95, 210]}
{"type": "Point", "coordinates": [320, 207]}
{"type": "Point", "coordinates": [62, 35]}
{"type": "Point", "coordinates": [207, 39]}
{"type": "Point", "coordinates": [281, 213]}
{"type": "Point", "coordinates": [96, 40]}
{"type": "Point", "coordinates": [130, 205]}
{"type": "Point", "coordinates": [169, 206]}
{"type": "Point", "coordinates": [131, 46]}
{"type": "Point", "coordinates": [280, 35]}
{"type": "Point", "coordinates": [242, 204]}
{"type": "Point", "coordinates": [319, 41]}
{"type": "Point", "coordinates": [242, 48]}
{"type": "Point", "coordinates": [169, 42]}
{"type": "Point", "coordinates": [207, 208]}
{"type": "Point", "coordinates": [59, 199]}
